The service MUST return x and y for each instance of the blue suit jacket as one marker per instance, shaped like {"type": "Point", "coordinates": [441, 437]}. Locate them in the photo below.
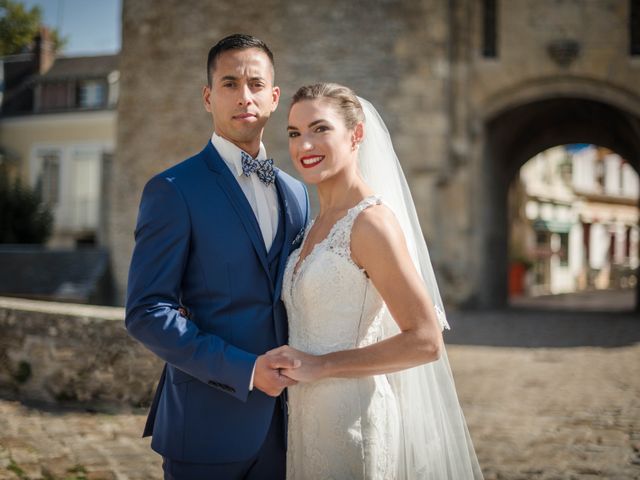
{"type": "Point", "coordinates": [198, 245]}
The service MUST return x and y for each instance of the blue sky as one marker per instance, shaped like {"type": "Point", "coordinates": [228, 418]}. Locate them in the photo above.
{"type": "Point", "coordinates": [91, 26]}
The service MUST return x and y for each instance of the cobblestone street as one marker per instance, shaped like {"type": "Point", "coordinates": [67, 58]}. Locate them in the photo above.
{"type": "Point", "coordinates": [554, 411]}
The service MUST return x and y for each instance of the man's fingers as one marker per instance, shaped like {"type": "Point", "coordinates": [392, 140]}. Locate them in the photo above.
{"type": "Point", "coordinates": [286, 381]}
{"type": "Point", "coordinates": [282, 361]}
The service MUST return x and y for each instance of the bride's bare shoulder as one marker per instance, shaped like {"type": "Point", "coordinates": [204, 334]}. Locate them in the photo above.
{"type": "Point", "coordinates": [376, 231]}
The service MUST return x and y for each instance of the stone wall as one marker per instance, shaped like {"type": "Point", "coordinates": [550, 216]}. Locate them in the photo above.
{"type": "Point", "coordinates": [69, 353]}
{"type": "Point", "coordinates": [420, 63]}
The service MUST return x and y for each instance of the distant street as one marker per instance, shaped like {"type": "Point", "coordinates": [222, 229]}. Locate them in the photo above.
{"type": "Point", "coordinates": [599, 300]}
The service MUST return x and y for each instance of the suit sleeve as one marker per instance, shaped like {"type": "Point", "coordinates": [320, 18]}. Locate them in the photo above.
{"type": "Point", "coordinates": [160, 254]}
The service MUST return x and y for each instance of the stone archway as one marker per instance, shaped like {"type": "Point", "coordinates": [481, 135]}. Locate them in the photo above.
{"type": "Point", "coordinates": [514, 134]}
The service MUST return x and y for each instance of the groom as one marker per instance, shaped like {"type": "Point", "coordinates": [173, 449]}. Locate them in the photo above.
{"type": "Point", "coordinates": [212, 240]}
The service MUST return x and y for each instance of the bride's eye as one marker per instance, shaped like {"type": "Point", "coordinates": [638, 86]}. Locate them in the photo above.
{"type": "Point", "coordinates": [322, 128]}
{"type": "Point", "coordinates": [293, 134]}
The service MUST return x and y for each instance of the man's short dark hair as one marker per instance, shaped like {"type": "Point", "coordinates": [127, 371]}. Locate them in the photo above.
{"type": "Point", "coordinates": [237, 41]}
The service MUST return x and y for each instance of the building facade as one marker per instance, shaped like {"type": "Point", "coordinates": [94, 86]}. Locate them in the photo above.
{"type": "Point", "coordinates": [470, 91]}
{"type": "Point", "coordinates": [58, 133]}
{"type": "Point", "coordinates": [575, 222]}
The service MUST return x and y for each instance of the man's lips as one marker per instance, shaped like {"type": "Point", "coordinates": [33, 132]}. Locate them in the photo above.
{"type": "Point", "coordinates": [245, 116]}
{"type": "Point", "coordinates": [309, 161]}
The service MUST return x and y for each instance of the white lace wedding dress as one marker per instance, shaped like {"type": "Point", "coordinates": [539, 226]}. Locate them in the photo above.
{"type": "Point", "coordinates": [338, 428]}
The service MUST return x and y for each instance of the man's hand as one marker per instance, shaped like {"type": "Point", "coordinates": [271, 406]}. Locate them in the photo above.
{"type": "Point", "coordinates": [267, 375]}
{"type": "Point", "coordinates": [312, 367]}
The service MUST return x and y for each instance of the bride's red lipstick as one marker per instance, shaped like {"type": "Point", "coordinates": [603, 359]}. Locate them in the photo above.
{"type": "Point", "coordinates": [310, 161]}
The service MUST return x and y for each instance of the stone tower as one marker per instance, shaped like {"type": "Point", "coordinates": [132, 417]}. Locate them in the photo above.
{"type": "Point", "coordinates": [470, 90]}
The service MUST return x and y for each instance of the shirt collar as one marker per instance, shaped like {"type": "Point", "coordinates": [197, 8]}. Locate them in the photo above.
{"type": "Point", "coordinates": [230, 153]}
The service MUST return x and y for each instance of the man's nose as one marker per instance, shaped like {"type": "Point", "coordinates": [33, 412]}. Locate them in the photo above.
{"type": "Point", "coordinates": [245, 97]}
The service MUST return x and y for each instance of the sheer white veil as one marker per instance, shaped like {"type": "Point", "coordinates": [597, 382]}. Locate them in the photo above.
{"type": "Point", "coordinates": [435, 441]}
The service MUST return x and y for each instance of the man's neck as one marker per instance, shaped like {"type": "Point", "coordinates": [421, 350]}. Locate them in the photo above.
{"type": "Point", "coordinates": [252, 147]}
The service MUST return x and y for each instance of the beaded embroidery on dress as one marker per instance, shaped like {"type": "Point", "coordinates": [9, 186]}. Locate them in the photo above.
{"type": "Point", "coordinates": [338, 428]}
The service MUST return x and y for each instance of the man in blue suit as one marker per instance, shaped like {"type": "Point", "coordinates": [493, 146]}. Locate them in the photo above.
{"type": "Point", "coordinates": [212, 240]}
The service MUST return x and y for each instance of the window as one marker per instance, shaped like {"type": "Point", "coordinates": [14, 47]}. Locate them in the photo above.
{"type": "Point", "coordinates": [54, 95]}
{"type": "Point", "coordinates": [563, 253]}
{"type": "Point", "coordinates": [84, 194]}
{"type": "Point", "coordinates": [48, 183]}
{"type": "Point", "coordinates": [634, 27]}
{"type": "Point", "coordinates": [91, 94]}
{"type": "Point", "coordinates": [489, 24]}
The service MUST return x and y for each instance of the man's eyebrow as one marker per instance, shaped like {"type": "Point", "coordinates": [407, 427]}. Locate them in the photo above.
{"type": "Point", "coordinates": [235, 78]}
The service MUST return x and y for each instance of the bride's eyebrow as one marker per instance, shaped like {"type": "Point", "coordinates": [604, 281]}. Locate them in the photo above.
{"type": "Point", "coordinates": [315, 122]}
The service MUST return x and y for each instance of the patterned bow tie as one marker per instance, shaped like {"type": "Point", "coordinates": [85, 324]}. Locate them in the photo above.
{"type": "Point", "coordinates": [263, 168]}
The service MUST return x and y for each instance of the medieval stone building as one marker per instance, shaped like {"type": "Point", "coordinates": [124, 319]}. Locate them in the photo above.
{"type": "Point", "coordinates": [470, 90]}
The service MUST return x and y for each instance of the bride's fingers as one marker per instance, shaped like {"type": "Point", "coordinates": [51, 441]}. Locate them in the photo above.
{"type": "Point", "coordinates": [290, 374]}
{"type": "Point", "coordinates": [283, 361]}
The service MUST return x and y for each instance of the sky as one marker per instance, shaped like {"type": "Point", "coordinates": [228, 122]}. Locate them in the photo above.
{"type": "Point", "coordinates": [91, 26]}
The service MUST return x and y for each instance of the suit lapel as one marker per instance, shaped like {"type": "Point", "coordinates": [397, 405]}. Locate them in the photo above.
{"type": "Point", "coordinates": [291, 212]}
{"type": "Point", "coordinates": [239, 202]}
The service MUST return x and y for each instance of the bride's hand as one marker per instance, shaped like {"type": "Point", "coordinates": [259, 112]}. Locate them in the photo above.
{"type": "Point", "coordinates": [310, 369]}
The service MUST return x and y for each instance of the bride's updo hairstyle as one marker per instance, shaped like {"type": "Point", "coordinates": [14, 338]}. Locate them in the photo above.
{"type": "Point", "coordinates": [343, 97]}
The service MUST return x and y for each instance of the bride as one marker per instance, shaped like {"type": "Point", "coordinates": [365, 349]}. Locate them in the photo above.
{"type": "Point", "coordinates": [375, 398]}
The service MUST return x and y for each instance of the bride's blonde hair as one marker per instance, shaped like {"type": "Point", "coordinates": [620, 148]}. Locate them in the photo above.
{"type": "Point", "coordinates": [344, 98]}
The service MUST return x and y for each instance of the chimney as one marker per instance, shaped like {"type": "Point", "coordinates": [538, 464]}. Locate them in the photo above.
{"type": "Point", "coordinates": [44, 50]}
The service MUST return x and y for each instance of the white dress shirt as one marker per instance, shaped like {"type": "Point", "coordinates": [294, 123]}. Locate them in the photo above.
{"type": "Point", "coordinates": [262, 198]}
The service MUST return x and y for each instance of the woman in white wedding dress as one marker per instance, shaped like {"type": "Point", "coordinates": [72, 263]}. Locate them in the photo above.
{"type": "Point", "coordinates": [362, 305]}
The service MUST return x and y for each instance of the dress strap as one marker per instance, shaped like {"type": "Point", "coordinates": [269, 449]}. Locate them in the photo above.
{"type": "Point", "coordinates": [340, 238]}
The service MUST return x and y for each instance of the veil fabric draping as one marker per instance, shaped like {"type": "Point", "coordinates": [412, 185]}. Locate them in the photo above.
{"type": "Point", "coordinates": [435, 441]}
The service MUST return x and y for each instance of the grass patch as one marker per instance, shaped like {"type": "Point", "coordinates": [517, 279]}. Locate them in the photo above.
{"type": "Point", "coordinates": [15, 468]}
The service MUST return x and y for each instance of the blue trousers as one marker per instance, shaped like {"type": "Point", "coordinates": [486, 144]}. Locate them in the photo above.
{"type": "Point", "coordinates": [267, 464]}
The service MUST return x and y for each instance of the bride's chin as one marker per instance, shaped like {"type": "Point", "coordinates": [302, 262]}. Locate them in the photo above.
{"type": "Point", "coordinates": [312, 178]}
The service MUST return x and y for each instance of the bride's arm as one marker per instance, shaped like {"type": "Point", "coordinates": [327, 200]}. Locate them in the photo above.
{"type": "Point", "coordinates": [379, 247]}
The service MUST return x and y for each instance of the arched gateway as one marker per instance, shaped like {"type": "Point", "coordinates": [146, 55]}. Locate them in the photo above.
{"type": "Point", "coordinates": [526, 121]}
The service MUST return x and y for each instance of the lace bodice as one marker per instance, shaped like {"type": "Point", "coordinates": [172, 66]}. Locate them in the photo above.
{"type": "Point", "coordinates": [338, 427]}
{"type": "Point", "coordinates": [329, 291]}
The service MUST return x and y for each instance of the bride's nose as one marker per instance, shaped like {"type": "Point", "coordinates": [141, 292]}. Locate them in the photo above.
{"type": "Point", "coordinates": [307, 145]}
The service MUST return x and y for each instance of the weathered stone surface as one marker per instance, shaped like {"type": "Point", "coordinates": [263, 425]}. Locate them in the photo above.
{"type": "Point", "coordinates": [65, 353]}
{"type": "Point", "coordinates": [421, 64]}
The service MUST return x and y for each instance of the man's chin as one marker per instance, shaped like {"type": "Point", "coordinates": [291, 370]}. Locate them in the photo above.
{"type": "Point", "coordinates": [248, 134]}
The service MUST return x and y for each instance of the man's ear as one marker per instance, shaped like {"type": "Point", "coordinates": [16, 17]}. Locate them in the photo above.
{"type": "Point", "coordinates": [206, 97]}
{"type": "Point", "coordinates": [276, 98]}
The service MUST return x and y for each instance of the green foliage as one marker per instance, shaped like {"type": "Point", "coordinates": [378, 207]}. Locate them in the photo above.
{"type": "Point", "coordinates": [19, 26]}
{"type": "Point", "coordinates": [15, 468]}
{"type": "Point", "coordinates": [23, 216]}
{"type": "Point", "coordinates": [78, 472]}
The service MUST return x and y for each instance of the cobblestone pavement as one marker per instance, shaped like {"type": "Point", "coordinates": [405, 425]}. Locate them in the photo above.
{"type": "Point", "coordinates": [549, 412]}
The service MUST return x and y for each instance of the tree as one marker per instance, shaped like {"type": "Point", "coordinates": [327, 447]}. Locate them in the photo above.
{"type": "Point", "coordinates": [19, 26]}
{"type": "Point", "coordinates": [23, 216]}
